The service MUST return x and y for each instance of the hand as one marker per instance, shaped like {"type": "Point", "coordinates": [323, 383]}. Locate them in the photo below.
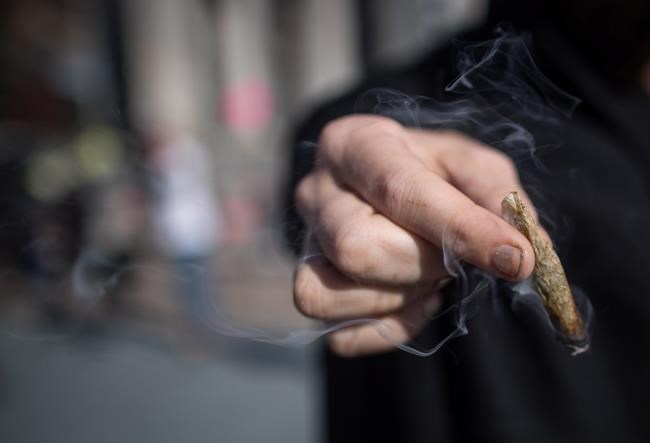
{"type": "Point", "coordinates": [380, 203]}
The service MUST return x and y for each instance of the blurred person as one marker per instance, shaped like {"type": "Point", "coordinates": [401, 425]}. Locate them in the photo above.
{"type": "Point", "coordinates": [187, 218]}
{"type": "Point", "coordinates": [381, 196]}
{"type": "Point", "coordinates": [116, 226]}
{"type": "Point", "coordinates": [55, 243]}
{"type": "Point", "coordinates": [47, 195]}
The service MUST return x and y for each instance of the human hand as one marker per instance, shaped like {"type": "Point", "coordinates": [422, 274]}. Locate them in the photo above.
{"type": "Point", "coordinates": [381, 203]}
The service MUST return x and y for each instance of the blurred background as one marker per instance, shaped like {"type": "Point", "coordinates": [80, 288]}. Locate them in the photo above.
{"type": "Point", "coordinates": [143, 149]}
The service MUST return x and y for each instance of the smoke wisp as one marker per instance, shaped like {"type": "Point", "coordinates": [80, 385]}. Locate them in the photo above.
{"type": "Point", "coordinates": [498, 95]}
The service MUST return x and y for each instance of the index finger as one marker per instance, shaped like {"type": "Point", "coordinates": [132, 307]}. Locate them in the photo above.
{"type": "Point", "coordinates": [379, 163]}
{"type": "Point", "coordinates": [458, 160]}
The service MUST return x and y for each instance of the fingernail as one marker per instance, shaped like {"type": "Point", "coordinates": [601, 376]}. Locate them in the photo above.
{"type": "Point", "coordinates": [507, 260]}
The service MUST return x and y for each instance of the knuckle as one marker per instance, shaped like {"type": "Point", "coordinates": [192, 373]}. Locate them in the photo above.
{"type": "Point", "coordinates": [376, 131]}
{"type": "Point", "coordinates": [330, 214]}
{"type": "Point", "coordinates": [482, 153]}
{"type": "Point", "coordinates": [457, 138]}
{"type": "Point", "coordinates": [392, 188]}
{"type": "Point", "coordinates": [358, 132]}
{"type": "Point", "coordinates": [401, 191]}
{"type": "Point", "coordinates": [303, 195]}
{"type": "Point", "coordinates": [372, 135]}
{"type": "Point", "coordinates": [335, 132]}
{"type": "Point", "coordinates": [384, 303]}
{"type": "Point", "coordinates": [351, 251]}
{"type": "Point", "coordinates": [500, 161]}
{"type": "Point", "coordinates": [461, 142]}
{"type": "Point", "coordinates": [456, 238]}
{"type": "Point", "coordinates": [330, 134]}
{"type": "Point", "coordinates": [384, 125]}
{"type": "Point", "coordinates": [345, 343]}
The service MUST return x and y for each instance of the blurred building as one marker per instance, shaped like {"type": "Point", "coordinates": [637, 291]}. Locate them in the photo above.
{"type": "Point", "coordinates": [88, 90]}
{"type": "Point", "coordinates": [241, 73]}
{"type": "Point", "coordinates": [90, 87]}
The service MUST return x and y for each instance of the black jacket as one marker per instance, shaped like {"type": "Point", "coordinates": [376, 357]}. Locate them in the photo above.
{"type": "Point", "coordinates": [508, 380]}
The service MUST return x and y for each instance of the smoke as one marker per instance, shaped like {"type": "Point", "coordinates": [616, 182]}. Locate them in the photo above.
{"type": "Point", "coordinates": [525, 298]}
{"type": "Point", "coordinates": [498, 96]}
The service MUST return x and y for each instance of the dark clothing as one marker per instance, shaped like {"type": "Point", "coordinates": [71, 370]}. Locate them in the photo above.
{"type": "Point", "coordinates": [509, 380]}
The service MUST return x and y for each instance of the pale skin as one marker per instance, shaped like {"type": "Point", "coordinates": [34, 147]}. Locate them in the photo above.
{"type": "Point", "coordinates": [380, 203]}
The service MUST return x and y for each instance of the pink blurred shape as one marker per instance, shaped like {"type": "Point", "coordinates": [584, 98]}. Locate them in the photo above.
{"type": "Point", "coordinates": [247, 105]}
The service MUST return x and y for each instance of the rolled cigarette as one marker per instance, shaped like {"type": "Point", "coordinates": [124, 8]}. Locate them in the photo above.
{"type": "Point", "coordinates": [548, 279]}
